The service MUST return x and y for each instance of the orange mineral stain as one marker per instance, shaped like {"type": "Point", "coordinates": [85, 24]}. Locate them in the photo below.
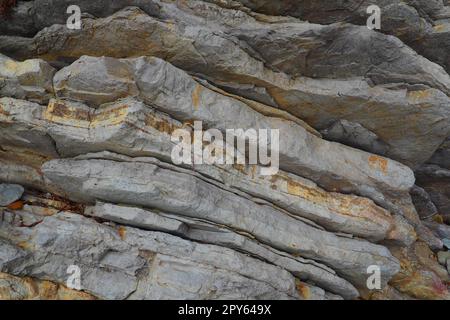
{"type": "Point", "coordinates": [378, 163]}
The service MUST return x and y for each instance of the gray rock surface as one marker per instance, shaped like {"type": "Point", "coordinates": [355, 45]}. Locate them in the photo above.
{"type": "Point", "coordinates": [173, 91]}
{"type": "Point", "coordinates": [441, 230]}
{"type": "Point", "coordinates": [422, 201]}
{"type": "Point", "coordinates": [207, 232]}
{"type": "Point", "coordinates": [389, 75]}
{"type": "Point", "coordinates": [9, 193]}
{"type": "Point", "coordinates": [423, 25]}
{"type": "Point", "coordinates": [436, 182]}
{"type": "Point", "coordinates": [111, 265]}
{"type": "Point", "coordinates": [87, 123]}
{"type": "Point", "coordinates": [355, 135]}
{"type": "Point", "coordinates": [89, 180]}
{"type": "Point", "coordinates": [130, 127]}
{"type": "Point", "coordinates": [32, 79]}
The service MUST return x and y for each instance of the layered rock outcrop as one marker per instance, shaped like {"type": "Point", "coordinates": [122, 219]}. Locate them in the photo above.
{"type": "Point", "coordinates": [88, 180]}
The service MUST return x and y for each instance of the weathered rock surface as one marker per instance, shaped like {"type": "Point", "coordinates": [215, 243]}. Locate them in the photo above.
{"type": "Point", "coordinates": [9, 193]}
{"type": "Point", "coordinates": [87, 125]}
{"type": "Point", "coordinates": [203, 231]}
{"type": "Point", "coordinates": [124, 263]}
{"type": "Point", "coordinates": [26, 288]}
{"type": "Point", "coordinates": [130, 127]}
{"type": "Point", "coordinates": [421, 276]}
{"type": "Point", "coordinates": [88, 180]}
{"type": "Point", "coordinates": [424, 25]}
{"type": "Point", "coordinates": [31, 79]}
{"type": "Point", "coordinates": [436, 181]}
{"type": "Point", "coordinates": [169, 89]}
{"type": "Point", "coordinates": [208, 40]}
{"type": "Point", "coordinates": [423, 203]}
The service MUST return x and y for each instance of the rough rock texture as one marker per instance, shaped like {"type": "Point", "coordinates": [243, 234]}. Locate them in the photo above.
{"type": "Point", "coordinates": [9, 193]}
{"type": "Point", "coordinates": [87, 178]}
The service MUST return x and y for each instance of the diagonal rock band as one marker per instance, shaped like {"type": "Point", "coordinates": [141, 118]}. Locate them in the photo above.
{"type": "Point", "coordinates": [355, 123]}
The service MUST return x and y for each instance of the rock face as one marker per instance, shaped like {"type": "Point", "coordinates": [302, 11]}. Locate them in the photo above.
{"type": "Point", "coordinates": [93, 204]}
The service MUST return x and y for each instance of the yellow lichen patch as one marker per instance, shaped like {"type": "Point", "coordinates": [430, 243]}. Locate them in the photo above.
{"type": "Point", "coordinates": [420, 275]}
{"type": "Point", "coordinates": [241, 168]}
{"type": "Point", "coordinates": [438, 218]}
{"type": "Point", "coordinates": [303, 289]}
{"type": "Point", "coordinates": [196, 96]}
{"type": "Point", "coordinates": [26, 288]}
{"type": "Point", "coordinates": [378, 163]}
{"type": "Point", "coordinates": [439, 27]}
{"type": "Point", "coordinates": [345, 205]}
{"type": "Point", "coordinates": [11, 66]}
{"type": "Point", "coordinates": [25, 245]}
{"type": "Point", "coordinates": [122, 232]}
{"type": "Point", "coordinates": [3, 111]}
{"type": "Point", "coordinates": [418, 95]}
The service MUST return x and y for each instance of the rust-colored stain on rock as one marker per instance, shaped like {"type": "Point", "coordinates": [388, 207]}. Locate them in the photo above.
{"type": "Point", "coordinates": [378, 163]}
{"type": "Point", "coordinates": [160, 124]}
{"type": "Point", "coordinates": [122, 232]}
{"type": "Point", "coordinates": [17, 205]}
{"type": "Point", "coordinates": [196, 96]}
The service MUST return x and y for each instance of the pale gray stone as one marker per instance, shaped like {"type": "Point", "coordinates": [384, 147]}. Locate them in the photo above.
{"type": "Point", "coordinates": [129, 127]}
{"type": "Point", "coordinates": [9, 193]}
{"type": "Point", "coordinates": [173, 91]}
{"type": "Point", "coordinates": [389, 75]}
{"type": "Point", "coordinates": [145, 184]}
{"type": "Point", "coordinates": [206, 232]}
{"type": "Point", "coordinates": [31, 79]}
{"type": "Point", "coordinates": [355, 135]}
{"type": "Point", "coordinates": [120, 267]}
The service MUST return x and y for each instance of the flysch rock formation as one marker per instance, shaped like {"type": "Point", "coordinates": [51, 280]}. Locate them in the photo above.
{"type": "Point", "coordinates": [88, 180]}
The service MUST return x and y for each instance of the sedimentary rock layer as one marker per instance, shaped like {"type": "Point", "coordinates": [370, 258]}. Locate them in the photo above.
{"type": "Point", "coordinates": [90, 120]}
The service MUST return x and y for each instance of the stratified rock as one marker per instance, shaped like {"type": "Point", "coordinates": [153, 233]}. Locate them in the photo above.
{"type": "Point", "coordinates": [422, 201]}
{"type": "Point", "coordinates": [206, 232]}
{"type": "Point", "coordinates": [31, 79]}
{"type": "Point", "coordinates": [436, 182]}
{"type": "Point", "coordinates": [440, 230]}
{"type": "Point", "coordinates": [423, 25]}
{"type": "Point", "coordinates": [427, 236]}
{"type": "Point", "coordinates": [131, 263]}
{"type": "Point", "coordinates": [26, 288]}
{"type": "Point", "coordinates": [389, 293]}
{"type": "Point", "coordinates": [231, 45]}
{"type": "Point", "coordinates": [130, 127]}
{"type": "Point", "coordinates": [87, 125]}
{"type": "Point", "coordinates": [441, 157]}
{"type": "Point", "coordinates": [102, 80]}
{"type": "Point", "coordinates": [444, 257]}
{"type": "Point", "coordinates": [420, 276]}
{"type": "Point", "coordinates": [355, 135]}
{"type": "Point", "coordinates": [9, 193]}
{"type": "Point", "coordinates": [140, 183]}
